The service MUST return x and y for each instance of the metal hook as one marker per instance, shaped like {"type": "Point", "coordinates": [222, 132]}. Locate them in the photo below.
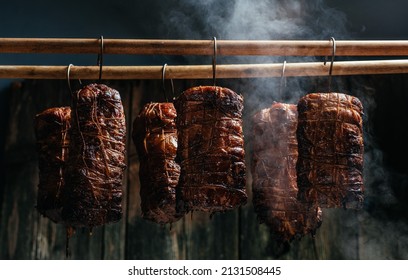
{"type": "Point", "coordinates": [100, 59]}
{"type": "Point", "coordinates": [163, 83]}
{"type": "Point", "coordinates": [282, 78]}
{"type": "Point", "coordinates": [332, 61]}
{"type": "Point", "coordinates": [68, 79]}
{"type": "Point", "coordinates": [214, 60]}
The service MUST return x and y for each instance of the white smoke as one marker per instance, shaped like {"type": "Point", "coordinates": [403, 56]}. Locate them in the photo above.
{"type": "Point", "coordinates": [256, 20]}
{"type": "Point", "coordinates": [250, 20]}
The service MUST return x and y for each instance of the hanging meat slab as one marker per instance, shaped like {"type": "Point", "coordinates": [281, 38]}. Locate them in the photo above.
{"type": "Point", "coordinates": [274, 179]}
{"type": "Point", "coordinates": [51, 130]}
{"type": "Point", "coordinates": [211, 149]}
{"type": "Point", "coordinates": [331, 147]}
{"type": "Point", "coordinates": [94, 173]}
{"type": "Point", "coordinates": [155, 137]}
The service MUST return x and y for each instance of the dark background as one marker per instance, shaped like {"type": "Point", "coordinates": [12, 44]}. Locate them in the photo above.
{"type": "Point", "coordinates": [384, 97]}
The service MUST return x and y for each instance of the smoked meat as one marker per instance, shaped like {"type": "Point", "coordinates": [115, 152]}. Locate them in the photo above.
{"type": "Point", "coordinates": [331, 148]}
{"type": "Point", "coordinates": [274, 179]}
{"type": "Point", "coordinates": [94, 173]}
{"type": "Point", "coordinates": [51, 130]}
{"type": "Point", "coordinates": [155, 137]}
{"type": "Point", "coordinates": [210, 149]}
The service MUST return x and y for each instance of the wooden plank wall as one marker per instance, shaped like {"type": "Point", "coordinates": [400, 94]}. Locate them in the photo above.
{"type": "Point", "coordinates": [24, 234]}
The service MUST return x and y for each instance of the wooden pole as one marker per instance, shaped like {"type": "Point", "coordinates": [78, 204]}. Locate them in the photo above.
{"type": "Point", "coordinates": [205, 47]}
{"type": "Point", "coordinates": [228, 71]}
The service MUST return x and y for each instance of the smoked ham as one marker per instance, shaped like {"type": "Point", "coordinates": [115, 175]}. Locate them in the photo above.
{"type": "Point", "coordinates": [94, 172]}
{"type": "Point", "coordinates": [155, 137]}
{"type": "Point", "coordinates": [51, 130]}
{"type": "Point", "coordinates": [210, 149]}
{"type": "Point", "coordinates": [274, 179]}
{"type": "Point", "coordinates": [331, 147]}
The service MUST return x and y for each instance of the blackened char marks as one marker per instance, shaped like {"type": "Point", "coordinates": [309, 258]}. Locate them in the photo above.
{"type": "Point", "coordinates": [331, 147]}
{"type": "Point", "coordinates": [94, 174]}
{"type": "Point", "coordinates": [274, 179]}
{"type": "Point", "coordinates": [155, 137]}
{"type": "Point", "coordinates": [211, 149]}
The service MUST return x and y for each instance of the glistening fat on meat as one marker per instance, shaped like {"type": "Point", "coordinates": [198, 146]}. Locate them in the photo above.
{"type": "Point", "coordinates": [94, 173]}
{"type": "Point", "coordinates": [52, 135]}
{"type": "Point", "coordinates": [155, 137]}
{"type": "Point", "coordinates": [210, 149]}
{"type": "Point", "coordinates": [274, 179]}
{"type": "Point", "coordinates": [331, 148]}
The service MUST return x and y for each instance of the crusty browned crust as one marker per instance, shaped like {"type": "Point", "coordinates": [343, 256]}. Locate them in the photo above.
{"type": "Point", "coordinates": [93, 192]}
{"type": "Point", "coordinates": [155, 137]}
{"type": "Point", "coordinates": [331, 147]}
{"type": "Point", "coordinates": [274, 179]}
{"type": "Point", "coordinates": [211, 149]}
{"type": "Point", "coordinates": [51, 130]}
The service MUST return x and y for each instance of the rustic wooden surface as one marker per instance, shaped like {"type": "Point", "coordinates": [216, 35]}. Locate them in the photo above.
{"type": "Point", "coordinates": [24, 234]}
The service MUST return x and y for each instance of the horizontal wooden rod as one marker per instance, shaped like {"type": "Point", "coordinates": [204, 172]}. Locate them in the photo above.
{"type": "Point", "coordinates": [228, 71]}
{"type": "Point", "coordinates": [205, 47]}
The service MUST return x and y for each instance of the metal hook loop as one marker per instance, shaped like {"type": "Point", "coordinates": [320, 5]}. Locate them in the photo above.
{"type": "Point", "coordinates": [100, 58]}
{"type": "Point", "coordinates": [282, 78]}
{"type": "Point", "coordinates": [68, 78]}
{"type": "Point", "coordinates": [332, 61]}
{"type": "Point", "coordinates": [214, 60]}
{"type": "Point", "coordinates": [163, 83]}
{"type": "Point", "coordinates": [333, 55]}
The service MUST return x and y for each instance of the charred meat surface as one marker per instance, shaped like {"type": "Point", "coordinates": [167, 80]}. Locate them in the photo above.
{"type": "Point", "coordinates": [51, 130]}
{"type": "Point", "coordinates": [331, 147]}
{"type": "Point", "coordinates": [155, 137]}
{"type": "Point", "coordinates": [94, 172]}
{"type": "Point", "coordinates": [274, 179]}
{"type": "Point", "coordinates": [210, 149]}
